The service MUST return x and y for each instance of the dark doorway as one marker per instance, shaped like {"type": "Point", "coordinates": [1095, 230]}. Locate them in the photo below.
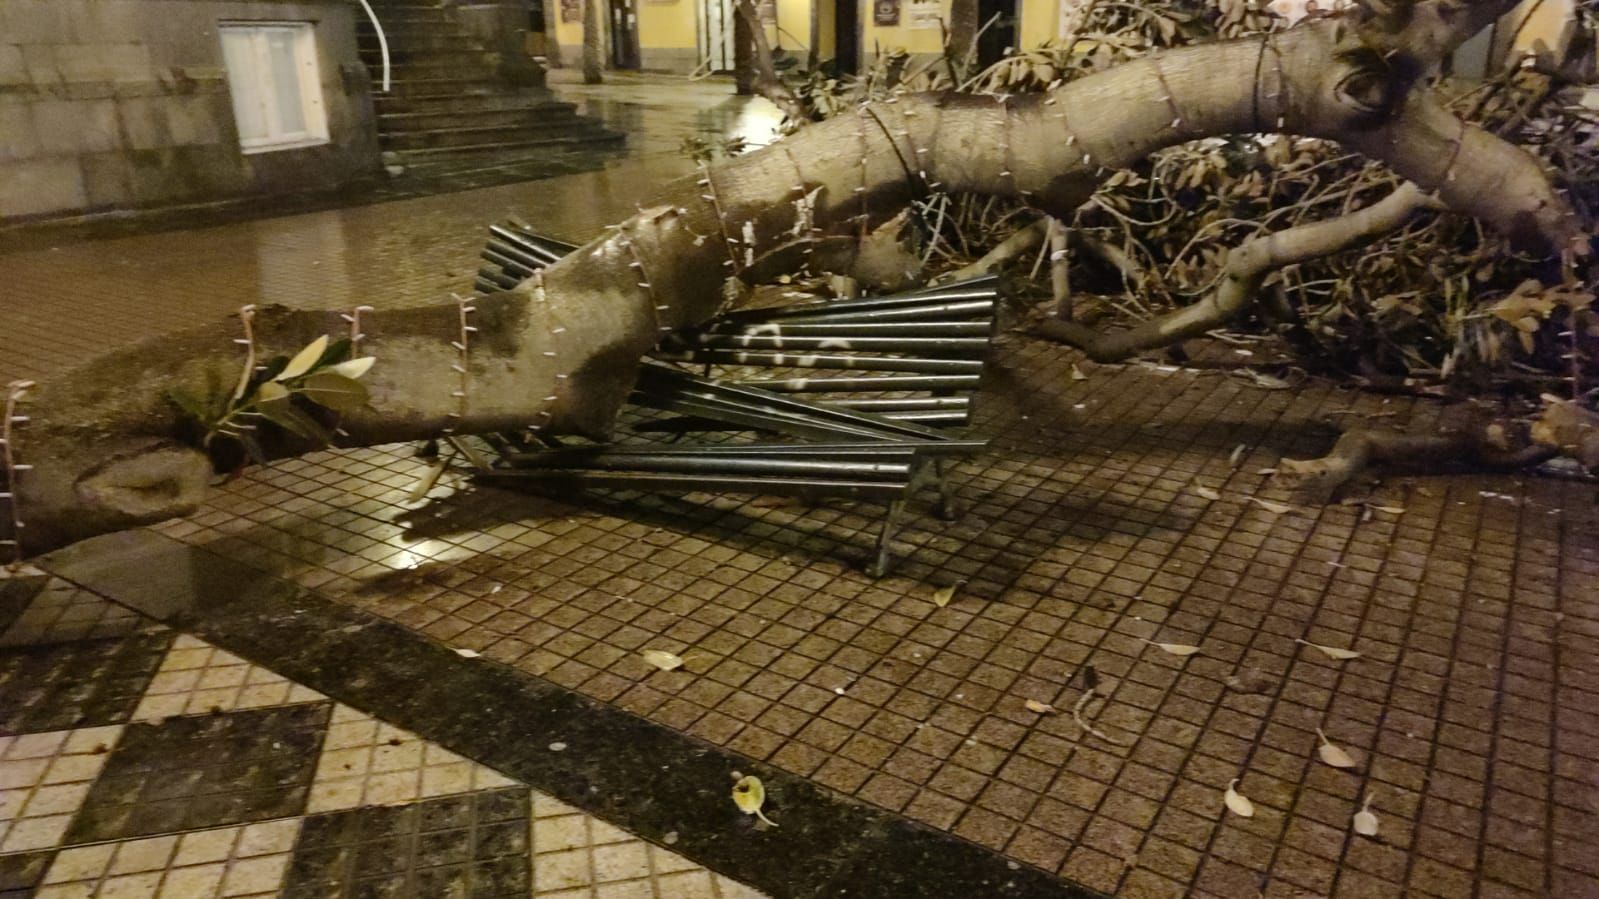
{"type": "Point", "coordinates": [998, 36]}
{"type": "Point", "coordinates": [624, 34]}
{"type": "Point", "coordinates": [846, 37]}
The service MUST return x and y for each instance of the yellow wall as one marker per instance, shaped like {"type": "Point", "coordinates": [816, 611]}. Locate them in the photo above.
{"type": "Point", "coordinates": [666, 25]}
{"type": "Point", "coordinates": [1040, 20]}
{"type": "Point", "coordinates": [916, 40]}
{"type": "Point", "coordinates": [794, 18]}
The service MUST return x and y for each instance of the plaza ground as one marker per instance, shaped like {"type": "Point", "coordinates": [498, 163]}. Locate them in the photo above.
{"type": "Point", "coordinates": [415, 667]}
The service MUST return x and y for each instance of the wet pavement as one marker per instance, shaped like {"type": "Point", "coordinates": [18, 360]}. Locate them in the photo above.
{"type": "Point", "coordinates": [901, 755]}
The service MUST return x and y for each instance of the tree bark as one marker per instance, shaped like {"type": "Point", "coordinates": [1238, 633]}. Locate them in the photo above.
{"type": "Point", "coordinates": [744, 74]}
{"type": "Point", "coordinates": [963, 26]}
{"type": "Point", "coordinates": [107, 447]}
{"type": "Point", "coordinates": [593, 43]}
{"type": "Point", "coordinates": [767, 83]}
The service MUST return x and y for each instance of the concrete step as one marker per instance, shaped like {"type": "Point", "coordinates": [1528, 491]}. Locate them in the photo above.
{"type": "Point", "coordinates": [446, 87]}
{"type": "Point", "coordinates": [446, 138]}
{"type": "Point", "coordinates": [433, 71]}
{"type": "Point", "coordinates": [420, 41]}
{"type": "Point", "coordinates": [574, 138]}
{"type": "Point", "coordinates": [488, 117]}
{"type": "Point", "coordinates": [440, 102]}
{"type": "Point", "coordinates": [394, 19]}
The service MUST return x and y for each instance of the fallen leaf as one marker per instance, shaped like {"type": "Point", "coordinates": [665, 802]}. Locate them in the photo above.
{"type": "Point", "coordinates": [426, 481]}
{"type": "Point", "coordinates": [662, 659]}
{"type": "Point", "coordinates": [1077, 714]}
{"type": "Point", "coordinates": [1391, 510]}
{"type": "Point", "coordinates": [1269, 506]}
{"type": "Point", "coordinates": [1237, 455]}
{"type": "Point", "coordinates": [943, 595]}
{"type": "Point", "coordinates": [1365, 821]}
{"type": "Point", "coordinates": [1331, 754]}
{"type": "Point", "coordinates": [1176, 649]}
{"type": "Point", "coordinates": [467, 653]}
{"type": "Point", "coordinates": [557, 746]}
{"type": "Point", "coordinates": [1209, 493]}
{"type": "Point", "coordinates": [749, 794]}
{"type": "Point", "coordinates": [1333, 652]}
{"type": "Point", "coordinates": [1238, 803]}
{"type": "Point", "coordinates": [1077, 373]}
{"type": "Point", "coordinates": [1042, 708]}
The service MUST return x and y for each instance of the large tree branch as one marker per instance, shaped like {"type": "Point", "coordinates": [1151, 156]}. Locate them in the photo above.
{"type": "Point", "coordinates": [563, 360]}
{"type": "Point", "coordinates": [1246, 268]}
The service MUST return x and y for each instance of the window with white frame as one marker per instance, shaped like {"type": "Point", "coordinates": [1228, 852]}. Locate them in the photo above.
{"type": "Point", "coordinates": [277, 94]}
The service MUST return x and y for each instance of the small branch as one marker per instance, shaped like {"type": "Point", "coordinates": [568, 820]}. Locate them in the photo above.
{"type": "Point", "coordinates": [767, 82]}
{"type": "Point", "coordinates": [1319, 479]}
{"type": "Point", "coordinates": [1060, 270]}
{"type": "Point", "coordinates": [1021, 242]}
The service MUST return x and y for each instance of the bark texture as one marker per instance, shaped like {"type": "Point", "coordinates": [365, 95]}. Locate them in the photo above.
{"type": "Point", "coordinates": [767, 83]}
{"type": "Point", "coordinates": [562, 356]}
{"type": "Point", "coordinates": [593, 42]}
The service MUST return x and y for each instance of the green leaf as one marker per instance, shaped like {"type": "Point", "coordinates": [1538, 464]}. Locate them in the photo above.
{"type": "Point", "coordinates": [191, 405]}
{"type": "Point", "coordinates": [335, 391]}
{"type": "Point", "coordinates": [304, 360]}
{"type": "Point", "coordinates": [271, 392]}
{"type": "Point", "coordinates": [285, 415]}
{"type": "Point", "coordinates": [270, 369]}
{"type": "Point", "coordinates": [353, 368]}
{"type": "Point", "coordinates": [337, 351]}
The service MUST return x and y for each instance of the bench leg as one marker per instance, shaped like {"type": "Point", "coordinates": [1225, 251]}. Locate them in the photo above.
{"type": "Point", "coordinates": [946, 509]}
{"type": "Point", "coordinates": [885, 553]}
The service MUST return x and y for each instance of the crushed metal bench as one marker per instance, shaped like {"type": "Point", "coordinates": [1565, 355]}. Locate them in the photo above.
{"type": "Point", "coordinates": [845, 397]}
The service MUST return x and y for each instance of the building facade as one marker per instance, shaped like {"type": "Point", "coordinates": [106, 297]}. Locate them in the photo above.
{"type": "Point", "coordinates": [121, 104]}
{"type": "Point", "coordinates": [684, 36]}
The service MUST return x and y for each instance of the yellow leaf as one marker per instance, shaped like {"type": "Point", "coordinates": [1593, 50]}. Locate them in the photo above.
{"type": "Point", "coordinates": [1237, 802]}
{"type": "Point", "coordinates": [749, 794]}
{"type": "Point", "coordinates": [1209, 493]}
{"type": "Point", "coordinates": [271, 392]}
{"type": "Point", "coordinates": [304, 359]}
{"type": "Point", "coordinates": [1332, 652]}
{"type": "Point", "coordinates": [1269, 506]}
{"type": "Point", "coordinates": [1077, 373]}
{"type": "Point", "coordinates": [1331, 754]}
{"type": "Point", "coordinates": [1042, 708]}
{"type": "Point", "coordinates": [662, 659]}
{"type": "Point", "coordinates": [1365, 821]}
{"type": "Point", "coordinates": [426, 481]}
{"type": "Point", "coordinates": [943, 595]}
{"type": "Point", "coordinates": [1176, 649]}
{"type": "Point", "coordinates": [354, 368]}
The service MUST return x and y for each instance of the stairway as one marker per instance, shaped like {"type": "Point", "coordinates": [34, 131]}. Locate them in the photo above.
{"type": "Point", "coordinates": [449, 96]}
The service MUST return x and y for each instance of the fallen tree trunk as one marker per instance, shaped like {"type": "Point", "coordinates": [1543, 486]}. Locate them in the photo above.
{"type": "Point", "coordinates": [106, 446]}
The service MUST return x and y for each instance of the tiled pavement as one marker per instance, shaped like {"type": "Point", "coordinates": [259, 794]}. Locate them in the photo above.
{"type": "Point", "coordinates": [1472, 713]}
{"type": "Point", "coordinates": [203, 775]}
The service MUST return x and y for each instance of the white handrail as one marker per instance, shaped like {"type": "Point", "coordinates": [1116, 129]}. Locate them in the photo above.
{"type": "Point", "coordinates": [383, 42]}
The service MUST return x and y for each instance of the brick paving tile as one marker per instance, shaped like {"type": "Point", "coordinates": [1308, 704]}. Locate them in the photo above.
{"type": "Point", "coordinates": [1472, 712]}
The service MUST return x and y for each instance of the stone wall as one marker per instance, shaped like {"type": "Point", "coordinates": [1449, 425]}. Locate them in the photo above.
{"type": "Point", "coordinates": [117, 104]}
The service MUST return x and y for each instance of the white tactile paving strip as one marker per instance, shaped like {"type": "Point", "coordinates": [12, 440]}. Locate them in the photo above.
{"type": "Point", "coordinates": [361, 763]}
{"type": "Point", "coordinates": [367, 762]}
